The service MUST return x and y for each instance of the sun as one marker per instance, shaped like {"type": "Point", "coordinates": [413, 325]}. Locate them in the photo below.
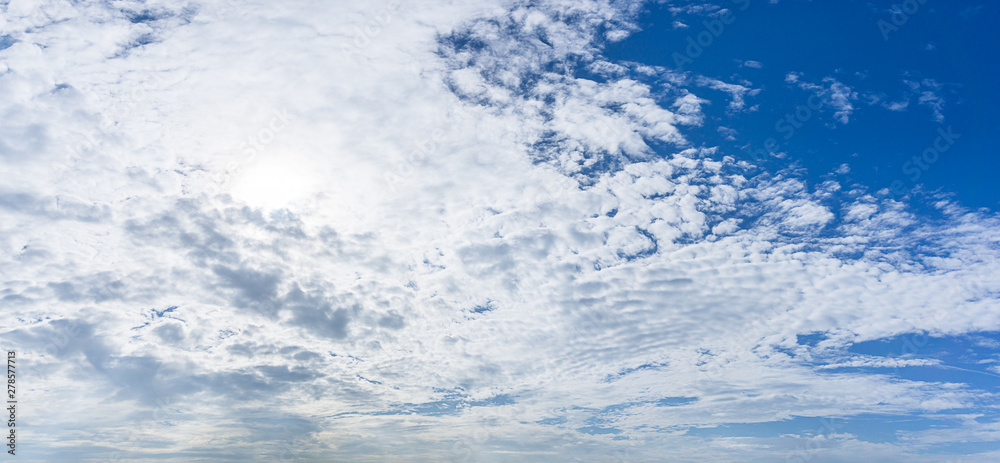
{"type": "Point", "coordinates": [275, 182]}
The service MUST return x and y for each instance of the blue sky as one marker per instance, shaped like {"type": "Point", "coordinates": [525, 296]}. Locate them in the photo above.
{"type": "Point", "coordinates": [949, 43]}
{"type": "Point", "coordinates": [490, 230]}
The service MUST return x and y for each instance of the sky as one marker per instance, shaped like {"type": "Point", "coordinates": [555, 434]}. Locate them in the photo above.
{"type": "Point", "coordinates": [491, 231]}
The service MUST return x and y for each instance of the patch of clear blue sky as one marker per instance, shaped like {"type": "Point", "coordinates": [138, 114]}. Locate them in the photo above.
{"type": "Point", "coordinates": [965, 359]}
{"type": "Point", "coordinates": [842, 39]}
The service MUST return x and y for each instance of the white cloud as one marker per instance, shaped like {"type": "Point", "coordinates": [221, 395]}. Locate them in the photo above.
{"type": "Point", "coordinates": [832, 93]}
{"type": "Point", "coordinates": [896, 105]}
{"type": "Point", "coordinates": [929, 94]}
{"type": "Point", "coordinates": [878, 362]}
{"type": "Point", "coordinates": [737, 92]}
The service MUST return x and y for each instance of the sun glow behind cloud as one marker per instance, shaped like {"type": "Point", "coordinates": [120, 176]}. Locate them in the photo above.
{"type": "Point", "coordinates": [279, 180]}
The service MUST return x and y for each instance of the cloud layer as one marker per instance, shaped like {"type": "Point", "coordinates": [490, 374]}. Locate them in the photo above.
{"type": "Point", "coordinates": [441, 231]}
